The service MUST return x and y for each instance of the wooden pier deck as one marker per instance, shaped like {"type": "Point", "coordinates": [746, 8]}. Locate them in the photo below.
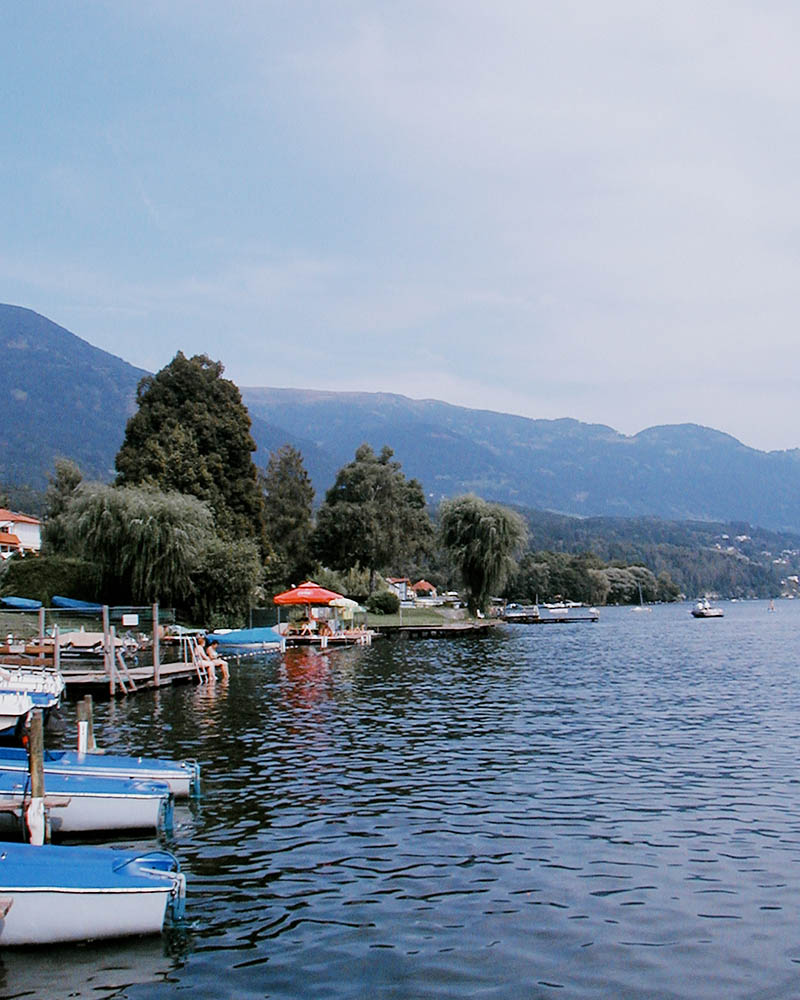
{"type": "Point", "coordinates": [449, 630]}
{"type": "Point", "coordinates": [83, 680]}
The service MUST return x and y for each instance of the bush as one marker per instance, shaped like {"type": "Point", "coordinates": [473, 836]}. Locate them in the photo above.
{"type": "Point", "coordinates": [39, 577]}
{"type": "Point", "coordinates": [385, 602]}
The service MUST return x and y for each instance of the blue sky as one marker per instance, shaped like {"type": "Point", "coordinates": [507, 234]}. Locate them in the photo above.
{"type": "Point", "coordinates": [584, 209]}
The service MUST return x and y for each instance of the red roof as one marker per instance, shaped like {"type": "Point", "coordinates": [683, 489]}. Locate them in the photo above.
{"type": "Point", "coordinates": [9, 515]}
{"type": "Point", "coordinates": [307, 593]}
{"type": "Point", "coordinates": [8, 539]}
{"type": "Point", "coordinates": [423, 585]}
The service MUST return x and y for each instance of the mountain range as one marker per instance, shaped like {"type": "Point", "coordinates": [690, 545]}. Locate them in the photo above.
{"type": "Point", "coordinates": [60, 396]}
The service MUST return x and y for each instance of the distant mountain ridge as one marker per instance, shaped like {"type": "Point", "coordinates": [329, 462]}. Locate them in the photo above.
{"type": "Point", "coordinates": [60, 396]}
{"type": "Point", "coordinates": [676, 472]}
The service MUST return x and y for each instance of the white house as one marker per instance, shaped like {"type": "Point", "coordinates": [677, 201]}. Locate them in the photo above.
{"type": "Point", "coordinates": [19, 533]}
{"type": "Point", "coordinates": [401, 585]}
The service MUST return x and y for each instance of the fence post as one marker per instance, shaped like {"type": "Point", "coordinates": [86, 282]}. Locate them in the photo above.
{"type": "Point", "coordinates": [41, 633]}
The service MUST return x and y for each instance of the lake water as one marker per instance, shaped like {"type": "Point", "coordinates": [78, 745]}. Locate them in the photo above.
{"type": "Point", "coordinates": [605, 810]}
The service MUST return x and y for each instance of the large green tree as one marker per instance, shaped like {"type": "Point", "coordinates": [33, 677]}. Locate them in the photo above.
{"type": "Point", "coordinates": [372, 517]}
{"type": "Point", "coordinates": [483, 539]}
{"type": "Point", "coordinates": [191, 435]}
{"type": "Point", "coordinates": [288, 499]}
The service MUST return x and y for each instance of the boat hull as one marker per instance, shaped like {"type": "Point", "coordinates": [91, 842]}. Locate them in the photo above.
{"type": "Point", "coordinates": [54, 894]}
{"type": "Point", "coordinates": [86, 805]}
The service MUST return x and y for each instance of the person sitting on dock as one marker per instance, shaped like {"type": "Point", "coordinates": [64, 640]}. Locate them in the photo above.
{"type": "Point", "coordinates": [218, 661]}
{"type": "Point", "coordinates": [205, 656]}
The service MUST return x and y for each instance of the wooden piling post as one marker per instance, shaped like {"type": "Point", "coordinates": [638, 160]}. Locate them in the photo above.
{"type": "Point", "coordinates": [91, 743]}
{"type": "Point", "coordinates": [108, 652]}
{"type": "Point", "coordinates": [83, 728]}
{"type": "Point", "coordinates": [156, 648]}
{"type": "Point", "coordinates": [35, 818]}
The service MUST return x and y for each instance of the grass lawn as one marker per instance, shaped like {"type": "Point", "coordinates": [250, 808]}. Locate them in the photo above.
{"type": "Point", "coordinates": [418, 616]}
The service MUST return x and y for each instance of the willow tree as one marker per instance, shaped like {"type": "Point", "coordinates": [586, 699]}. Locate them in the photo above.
{"type": "Point", "coordinates": [191, 435]}
{"type": "Point", "coordinates": [146, 544]}
{"type": "Point", "coordinates": [482, 539]}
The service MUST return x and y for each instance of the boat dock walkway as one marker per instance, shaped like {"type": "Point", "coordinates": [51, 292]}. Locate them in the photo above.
{"type": "Point", "coordinates": [451, 630]}
{"type": "Point", "coordinates": [85, 680]}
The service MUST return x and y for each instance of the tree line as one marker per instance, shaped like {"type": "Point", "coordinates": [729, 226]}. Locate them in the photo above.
{"type": "Point", "coordinates": [191, 522]}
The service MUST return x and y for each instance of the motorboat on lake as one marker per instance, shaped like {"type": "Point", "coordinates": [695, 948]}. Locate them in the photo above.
{"type": "Point", "coordinates": [52, 893]}
{"type": "Point", "coordinates": [705, 610]}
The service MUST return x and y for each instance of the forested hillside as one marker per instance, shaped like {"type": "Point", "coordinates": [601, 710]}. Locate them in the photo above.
{"type": "Point", "coordinates": [730, 559]}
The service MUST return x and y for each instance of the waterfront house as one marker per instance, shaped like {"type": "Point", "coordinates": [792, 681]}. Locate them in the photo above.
{"type": "Point", "coordinates": [19, 533]}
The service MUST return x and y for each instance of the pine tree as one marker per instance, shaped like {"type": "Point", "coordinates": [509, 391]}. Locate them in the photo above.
{"type": "Point", "coordinates": [288, 499]}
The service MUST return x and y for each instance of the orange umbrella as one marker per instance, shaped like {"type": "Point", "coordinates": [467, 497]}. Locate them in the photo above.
{"type": "Point", "coordinates": [307, 593]}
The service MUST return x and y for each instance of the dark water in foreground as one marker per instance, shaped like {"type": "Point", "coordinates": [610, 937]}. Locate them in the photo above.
{"type": "Point", "coordinates": [608, 810]}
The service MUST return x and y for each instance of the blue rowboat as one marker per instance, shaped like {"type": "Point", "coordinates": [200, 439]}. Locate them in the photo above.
{"type": "Point", "coordinates": [86, 804]}
{"type": "Point", "coordinates": [70, 604]}
{"type": "Point", "coordinates": [52, 893]}
{"type": "Point", "coordinates": [20, 603]}
{"type": "Point", "coordinates": [182, 777]}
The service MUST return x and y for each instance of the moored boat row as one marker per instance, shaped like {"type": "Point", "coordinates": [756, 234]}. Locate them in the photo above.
{"type": "Point", "coordinates": [53, 893]}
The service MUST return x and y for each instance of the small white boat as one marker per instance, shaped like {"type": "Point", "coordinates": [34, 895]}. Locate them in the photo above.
{"type": "Point", "coordinates": [31, 686]}
{"type": "Point", "coordinates": [182, 777]}
{"type": "Point", "coordinates": [705, 610]}
{"type": "Point", "coordinates": [14, 705]}
{"type": "Point", "coordinates": [81, 804]}
{"type": "Point", "coordinates": [52, 894]}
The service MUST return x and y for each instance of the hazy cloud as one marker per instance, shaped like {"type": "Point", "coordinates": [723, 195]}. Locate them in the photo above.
{"type": "Point", "coordinates": [579, 209]}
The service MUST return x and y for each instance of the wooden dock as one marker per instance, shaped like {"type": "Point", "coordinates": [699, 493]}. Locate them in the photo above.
{"type": "Point", "coordinates": [83, 680]}
{"type": "Point", "coordinates": [450, 630]}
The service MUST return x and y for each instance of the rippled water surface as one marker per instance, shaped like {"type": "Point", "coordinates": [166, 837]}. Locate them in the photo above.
{"type": "Point", "coordinates": [593, 810]}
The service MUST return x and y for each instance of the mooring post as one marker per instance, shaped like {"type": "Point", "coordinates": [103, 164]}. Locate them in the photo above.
{"type": "Point", "coordinates": [83, 729]}
{"type": "Point", "coordinates": [156, 648]}
{"type": "Point", "coordinates": [56, 649]}
{"type": "Point", "coordinates": [35, 814]}
{"type": "Point", "coordinates": [112, 654]}
{"type": "Point", "coordinates": [108, 653]}
{"type": "Point", "coordinates": [91, 743]}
